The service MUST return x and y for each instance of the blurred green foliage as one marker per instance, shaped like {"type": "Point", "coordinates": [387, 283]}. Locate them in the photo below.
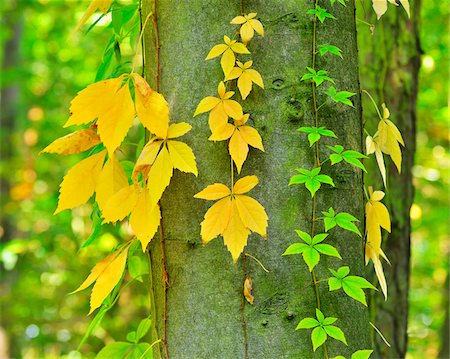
{"type": "Point", "coordinates": [41, 260]}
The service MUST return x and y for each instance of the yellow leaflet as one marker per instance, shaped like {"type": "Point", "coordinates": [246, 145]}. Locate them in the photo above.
{"type": "Point", "coordinates": [151, 107]}
{"type": "Point", "coordinates": [182, 157]}
{"type": "Point", "coordinates": [246, 77]}
{"type": "Point", "coordinates": [389, 138]}
{"type": "Point", "coordinates": [238, 150]}
{"type": "Point", "coordinates": [374, 255]}
{"type": "Point", "coordinates": [114, 124]}
{"type": "Point", "coordinates": [80, 181]}
{"type": "Point", "coordinates": [145, 218]}
{"type": "Point", "coordinates": [248, 26]}
{"type": "Point", "coordinates": [380, 6]}
{"type": "Point", "coordinates": [213, 192]}
{"type": "Point", "coordinates": [159, 175]}
{"type": "Point", "coordinates": [102, 5]}
{"type": "Point", "coordinates": [108, 279]}
{"type": "Point", "coordinates": [216, 220]}
{"type": "Point", "coordinates": [120, 204]}
{"type": "Point", "coordinates": [111, 179]}
{"type": "Point", "coordinates": [178, 129]}
{"type": "Point", "coordinates": [235, 234]}
{"type": "Point", "coordinates": [221, 133]}
{"type": "Point", "coordinates": [93, 102]}
{"type": "Point", "coordinates": [227, 50]}
{"type": "Point", "coordinates": [245, 184]}
{"type": "Point", "coordinates": [146, 158]}
{"type": "Point", "coordinates": [251, 136]}
{"type": "Point", "coordinates": [373, 147]}
{"type": "Point", "coordinates": [252, 214]}
{"type": "Point", "coordinates": [75, 142]}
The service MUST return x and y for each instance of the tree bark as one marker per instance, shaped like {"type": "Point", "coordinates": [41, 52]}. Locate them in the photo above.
{"type": "Point", "coordinates": [205, 289]}
{"type": "Point", "coordinates": [390, 61]}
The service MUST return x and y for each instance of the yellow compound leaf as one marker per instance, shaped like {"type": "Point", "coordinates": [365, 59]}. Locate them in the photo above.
{"type": "Point", "coordinates": [251, 136]}
{"type": "Point", "coordinates": [238, 149]}
{"type": "Point", "coordinates": [151, 107]}
{"type": "Point", "coordinates": [248, 290]}
{"type": "Point", "coordinates": [236, 233]}
{"type": "Point", "coordinates": [114, 123]}
{"type": "Point", "coordinates": [213, 192]}
{"type": "Point", "coordinates": [111, 179]}
{"type": "Point", "coordinates": [246, 77]}
{"type": "Point", "coordinates": [178, 129]}
{"type": "Point", "coordinates": [216, 220]}
{"type": "Point", "coordinates": [120, 204]}
{"type": "Point", "coordinates": [80, 181]}
{"type": "Point", "coordinates": [93, 102]}
{"type": "Point", "coordinates": [145, 218]}
{"type": "Point", "coordinates": [159, 175]}
{"type": "Point", "coordinates": [253, 215]}
{"type": "Point", "coordinates": [146, 158]}
{"type": "Point", "coordinates": [182, 157]}
{"type": "Point", "coordinates": [389, 138]}
{"type": "Point", "coordinates": [249, 26]}
{"type": "Point", "coordinates": [76, 142]}
{"type": "Point", "coordinates": [102, 5]}
{"type": "Point", "coordinates": [108, 279]}
{"type": "Point", "coordinates": [227, 50]}
{"type": "Point", "coordinates": [245, 184]}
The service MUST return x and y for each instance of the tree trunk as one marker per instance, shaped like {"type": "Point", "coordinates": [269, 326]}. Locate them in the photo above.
{"type": "Point", "coordinates": [207, 316]}
{"type": "Point", "coordinates": [389, 70]}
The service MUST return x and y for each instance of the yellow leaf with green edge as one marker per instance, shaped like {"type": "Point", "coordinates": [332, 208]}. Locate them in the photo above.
{"type": "Point", "coordinates": [253, 215]}
{"type": "Point", "coordinates": [112, 178]}
{"type": "Point", "coordinates": [216, 220]}
{"type": "Point", "coordinates": [238, 149]}
{"type": "Point", "coordinates": [245, 184]}
{"type": "Point", "coordinates": [151, 107]}
{"type": "Point", "coordinates": [213, 192]}
{"type": "Point", "coordinates": [145, 218]}
{"type": "Point", "coordinates": [114, 123]}
{"type": "Point", "coordinates": [108, 279]}
{"type": "Point", "coordinates": [182, 157]}
{"type": "Point", "coordinates": [93, 102]}
{"type": "Point", "coordinates": [146, 158]}
{"type": "Point", "coordinates": [80, 181]}
{"type": "Point", "coordinates": [178, 129]}
{"type": "Point", "coordinates": [251, 136]}
{"type": "Point", "coordinates": [159, 175]}
{"type": "Point", "coordinates": [236, 233]}
{"type": "Point", "coordinates": [76, 142]}
{"type": "Point", "coordinates": [120, 204]}
{"type": "Point", "coordinates": [102, 5]}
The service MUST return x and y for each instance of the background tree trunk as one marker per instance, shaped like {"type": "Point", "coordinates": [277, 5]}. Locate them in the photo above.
{"type": "Point", "coordinates": [204, 315]}
{"type": "Point", "coordinates": [390, 61]}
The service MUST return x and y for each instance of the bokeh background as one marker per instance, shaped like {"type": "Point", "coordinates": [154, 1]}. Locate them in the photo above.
{"type": "Point", "coordinates": [43, 67]}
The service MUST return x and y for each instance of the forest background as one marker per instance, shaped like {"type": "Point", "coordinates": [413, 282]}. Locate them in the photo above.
{"type": "Point", "coordinates": [40, 258]}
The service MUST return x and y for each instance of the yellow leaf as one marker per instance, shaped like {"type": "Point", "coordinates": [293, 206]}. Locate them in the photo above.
{"type": "Point", "coordinates": [145, 218]}
{"type": "Point", "coordinates": [374, 255]}
{"type": "Point", "coordinates": [93, 102]}
{"type": "Point", "coordinates": [244, 84]}
{"type": "Point", "coordinates": [388, 139]}
{"type": "Point", "coordinates": [102, 5]}
{"type": "Point", "coordinates": [234, 73]}
{"type": "Point", "coordinates": [238, 149]}
{"type": "Point", "coordinates": [251, 136]}
{"type": "Point", "coordinates": [146, 158]}
{"type": "Point", "coordinates": [238, 20]}
{"type": "Point", "coordinates": [222, 133]}
{"type": "Point", "coordinates": [246, 32]}
{"type": "Point", "coordinates": [108, 279]}
{"type": "Point", "coordinates": [216, 51]}
{"type": "Point", "coordinates": [159, 175]}
{"type": "Point", "coordinates": [120, 204]}
{"type": "Point", "coordinates": [227, 61]}
{"type": "Point", "coordinates": [245, 184]}
{"type": "Point", "coordinates": [151, 107]}
{"type": "Point", "coordinates": [235, 234]}
{"type": "Point", "coordinates": [75, 142]}
{"type": "Point", "coordinates": [255, 77]}
{"type": "Point", "coordinates": [214, 191]}
{"type": "Point", "coordinates": [372, 146]}
{"type": "Point", "coordinates": [253, 215]}
{"type": "Point", "coordinates": [233, 109]}
{"type": "Point", "coordinates": [80, 181]}
{"type": "Point", "coordinates": [206, 104]}
{"type": "Point", "coordinates": [257, 26]}
{"type": "Point", "coordinates": [248, 290]}
{"type": "Point", "coordinates": [114, 124]}
{"type": "Point", "coordinates": [182, 157]}
{"type": "Point", "coordinates": [218, 119]}
{"type": "Point", "coordinates": [380, 6]}
{"type": "Point", "coordinates": [216, 220]}
{"type": "Point", "coordinates": [111, 179]}
{"type": "Point", "coordinates": [239, 48]}
{"type": "Point", "coordinates": [178, 129]}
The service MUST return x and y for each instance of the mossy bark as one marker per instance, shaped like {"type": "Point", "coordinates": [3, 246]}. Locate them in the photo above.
{"type": "Point", "coordinates": [390, 60]}
{"type": "Point", "coordinates": [205, 290]}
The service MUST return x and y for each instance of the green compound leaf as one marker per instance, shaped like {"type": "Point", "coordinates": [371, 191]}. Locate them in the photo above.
{"type": "Point", "coordinates": [312, 179]}
{"type": "Point", "coordinates": [315, 133]}
{"type": "Point", "coordinates": [342, 219]}
{"type": "Point", "coordinates": [326, 48]}
{"type": "Point", "coordinates": [341, 96]}
{"type": "Point", "coordinates": [321, 13]}
{"type": "Point", "coordinates": [307, 323]}
{"type": "Point", "coordinates": [318, 337]}
{"type": "Point", "coordinates": [318, 77]}
{"type": "Point", "coordinates": [335, 333]}
{"type": "Point", "coordinates": [349, 156]}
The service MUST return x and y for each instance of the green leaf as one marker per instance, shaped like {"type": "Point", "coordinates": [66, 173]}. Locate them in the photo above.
{"type": "Point", "coordinates": [318, 337]}
{"type": "Point", "coordinates": [93, 325]}
{"type": "Point", "coordinates": [352, 285]}
{"type": "Point", "coordinates": [334, 284]}
{"type": "Point", "coordinates": [325, 179]}
{"type": "Point", "coordinates": [326, 48]}
{"type": "Point", "coordinates": [319, 238]}
{"type": "Point", "coordinates": [335, 158]}
{"type": "Point", "coordinates": [329, 320]}
{"type": "Point", "coordinates": [311, 179]}
{"type": "Point", "coordinates": [137, 267]}
{"type": "Point", "coordinates": [343, 272]}
{"type": "Point", "coordinates": [362, 354]}
{"type": "Point", "coordinates": [96, 226]}
{"type": "Point", "coordinates": [141, 351]}
{"type": "Point", "coordinates": [335, 333]}
{"type": "Point", "coordinates": [114, 350]}
{"type": "Point", "coordinates": [313, 138]}
{"type": "Point", "coordinates": [320, 316]}
{"type": "Point", "coordinates": [354, 292]}
{"type": "Point", "coordinates": [298, 179]}
{"type": "Point", "coordinates": [143, 328]}
{"type": "Point", "coordinates": [131, 337]}
{"type": "Point", "coordinates": [339, 357]}
{"type": "Point", "coordinates": [327, 250]}
{"type": "Point", "coordinates": [313, 185]}
{"type": "Point", "coordinates": [342, 219]}
{"type": "Point", "coordinates": [321, 13]}
{"type": "Point", "coordinates": [342, 96]}
{"type": "Point", "coordinates": [315, 133]}
{"type": "Point", "coordinates": [311, 258]}
{"type": "Point", "coordinates": [307, 323]}
{"type": "Point", "coordinates": [304, 236]}
{"type": "Point", "coordinates": [296, 248]}
{"type": "Point", "coordinates": [317, 76]}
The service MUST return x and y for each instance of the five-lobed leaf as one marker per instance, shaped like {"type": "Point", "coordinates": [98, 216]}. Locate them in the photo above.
{"type": "Point", "coordinates": [312, 179]}
{"type": "Point", "coordinates": [315, 133]}
{"type": "Point", "coordinates": [326, 48]}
